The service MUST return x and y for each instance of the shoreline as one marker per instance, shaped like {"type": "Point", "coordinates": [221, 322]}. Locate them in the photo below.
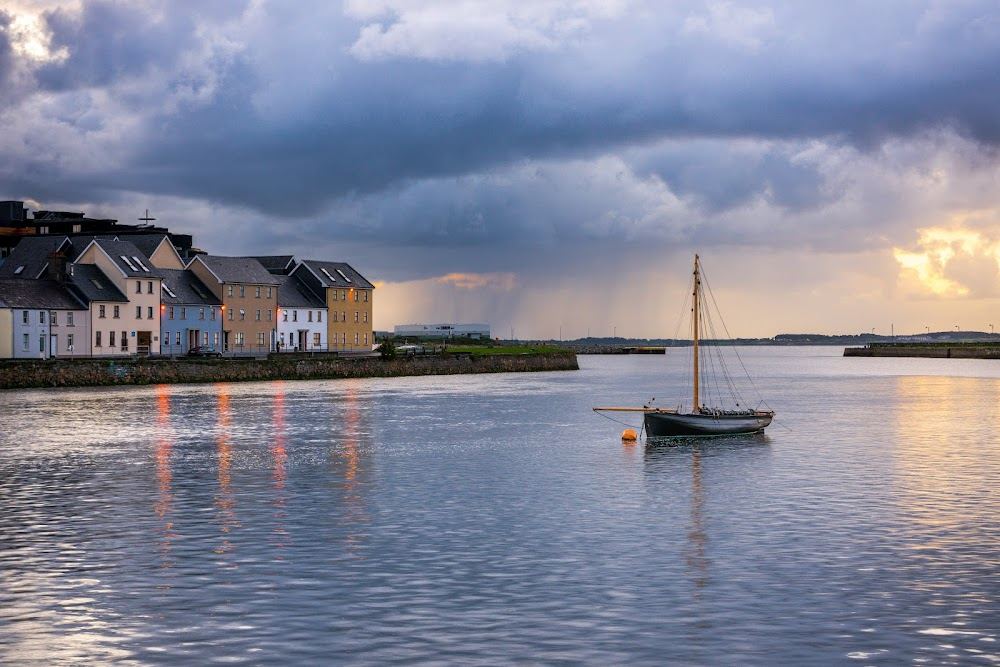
{"type": "Point", "coordinates": [30, 374]}
{"type": "Point", "coordinates": [886, 350]}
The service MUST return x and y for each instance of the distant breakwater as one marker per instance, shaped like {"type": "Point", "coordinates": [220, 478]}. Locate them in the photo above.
{"type": "Point", "coordinates": [925, 351]}
{"type": "Point", "coordinates": [27, 374]}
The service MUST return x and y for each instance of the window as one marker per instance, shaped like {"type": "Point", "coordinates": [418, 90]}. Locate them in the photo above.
{"type": "Point", "coordinates": [41, 317]}
{"type": "Point", "coordinates": [24, 316]}
{"type": "Point", "coordinates": [356, 316]}
{"type": "Point", "coordinates": [69, 319]}
{"type": "Point", "coordinates": [269, 292]}
{"type": "Point", "coordinates": [117, 312]}
{"type": "Point", "coordinates": [26, 342]}
{"type": "Point", "coordinates": [69, 342]}
{"type": "Point", "coordinates": [317, 340]}
{"type": "Point", "coordinates": [243, 315]}
{"type": "Point", "coordinates": [260, 339]}
{"type": "Point", "coordinates": [166, 338]}
{"type": "Point", "coordinates": [243, 291]}
{"type": "Point", "coordinates": [170, 312]}
{"type": "Point", "coordinates": [258, 315]}
{"type": "Point", "coordinates": [310, 316]}
{"type": "Point", "coordinates": [284, 316]}
{"type": "Point", "coordinates": [356, 294]}
{"type": "Point", "coordinates": [18, 270]}
{"type": "Point", "coordinates": [138, 287]}
{"type": "Point", "coordinates": [239, 338]}
{"type": "Point", "coordinates": [295, 316]}
{"type": "Point", "coordinates": [366, 296]}
{"type": "Point", "coordinates": [356, 339]}
{"type": "Point", "coordinates": [334, 295]}
{"type": "Point", "coordinates": [268, 314]}
{"type": "Point", "coordinates": [366, 317]}
{"type": "Point", "coordinates": [149, 312]}
{"type": "Point", "coordinates": [213, 313]}
{"type": "Point", "coordinates": [97, 339]}
{"type": "Point", "coordinates": [184, 313]}
{"type": "Point", "coordinates": [217, 339]}
{"type": "Point", "coordinates": [54, 318]}
{"type": "Point", "coordinates": [138, 312]}
{"type": "Point", "coordinates": [204, 338]}
{"type": "Point", "coordinates": [343, 316]}
{"type": "Point", "coordinates": [111, 338]}
{"type": "Point", "coordinates": [232, 315]}
{"type": "Point", "coordinates": [124, 340]}
{"type": "Point", "coordinates": [335, 316]}
{"type": "Point", "coordinates": [343, 295]}
{"type": "Point", "coordinates": [149, 287]}
{"type": "Point", "coordinates": [201, 313]}
{"type": "Point", "coordinates": [178, 338]}
{"type": "Point", "coordinates": [258, 293]}
{"type": "Point", "coordinates": [230, 290]}
{"type": "Point", "coordinates": [100, 313]}
{"type": "Point", "coordinates": [343, 338]}
{"type": "Point", "coordinates": [366, 339]}
{"type": "Point", "coordinates": [41, 344]}
{"type": "Point", "coordinates": [319, 315]}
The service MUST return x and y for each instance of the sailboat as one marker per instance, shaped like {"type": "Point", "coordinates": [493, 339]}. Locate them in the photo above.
{"type": "Point", "coordinates": [701, 420]}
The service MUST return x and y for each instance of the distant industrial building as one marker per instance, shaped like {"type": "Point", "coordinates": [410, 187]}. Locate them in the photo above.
{"type": "Point", "coordinates": [442, 330]}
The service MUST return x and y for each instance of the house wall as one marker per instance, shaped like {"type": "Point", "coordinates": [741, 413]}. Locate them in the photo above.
{"type": "Point", "coordinates": [147, 299]}
{"type": "Point", "coordinates": [186, 320]}
{"type": "Point", "coordinates": [165, 257]}
{"type": "Point", "coordinates": [60, 327]}
{"type": "Point", "coordinates": [6, 333]}
{"type": "Point", "coordinates": [253, 330]}
{"type": "Point", "coordinates": [31, 339]}
{"type": "Point", "coordinates": [125, 322]}
{"type": "Point", "coordinates": [313, 321]}
{"type": "Point", "coordinates": [354, 305]}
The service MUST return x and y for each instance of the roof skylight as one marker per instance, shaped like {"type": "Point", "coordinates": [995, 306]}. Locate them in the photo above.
{"type": "Point", "coordinates": [343, 275]}
{"type": "Point", "coordinates": [129, 262]}
{"type": "Point", "coordinates": [139, 262]}
{"type": "Point", "coordinates": [328, 275]}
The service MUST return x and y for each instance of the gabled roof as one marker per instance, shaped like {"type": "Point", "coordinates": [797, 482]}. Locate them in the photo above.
{"type": "Point", "coordinates": [277, 264]}
{"type": "Point", "coordinates": [32, 253]}
{"type": "Point", "coordinates": [293, 293]}
{"type": "Point", "coordinates": [148, 243]}
{"type": "Point", "coordinates": [128, 258]}
{"type": "Point", "coordinates": [246, 270]}
{"type": "Point", "coordinates": [91, 284]}
{"type": "Point", "coordinates": [80, 242]}
{"type": "Point", "coordinates": [36, 295]}
{"type": "Point", "coordinates": [182, 287]}
{"type": "Point", "coordinates": [336, 274]}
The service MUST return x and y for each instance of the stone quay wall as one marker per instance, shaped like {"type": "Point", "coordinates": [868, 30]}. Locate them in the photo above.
{"type": "Point", "coordinates": [928, 352]}
{"type": "Point", "coordinates": [23, 374]}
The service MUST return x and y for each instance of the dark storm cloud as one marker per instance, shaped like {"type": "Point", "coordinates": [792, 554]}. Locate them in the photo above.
{"type": "Point", "coordinates": [6, 51]}
{"type": "Point", "coordinates": [290, 118]}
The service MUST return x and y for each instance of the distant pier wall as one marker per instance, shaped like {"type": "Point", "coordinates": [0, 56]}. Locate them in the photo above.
{"type": "Point", "coordinates": [925, 351]}
{"type": "Point", "coordinates": [106, 372]}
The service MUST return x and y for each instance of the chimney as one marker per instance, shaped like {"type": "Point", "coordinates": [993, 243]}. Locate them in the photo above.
{"type": "Point", "coordinates": [57, 267]}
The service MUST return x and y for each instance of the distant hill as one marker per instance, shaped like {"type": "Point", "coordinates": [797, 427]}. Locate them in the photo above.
{"type": "Point", "coordinates": [793, 339]}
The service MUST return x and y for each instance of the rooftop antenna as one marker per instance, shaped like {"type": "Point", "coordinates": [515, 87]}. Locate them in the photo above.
{"type": "Point", "coordinates": [146, 219]}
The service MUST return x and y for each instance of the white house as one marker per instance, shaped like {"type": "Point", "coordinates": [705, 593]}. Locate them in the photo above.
{"type": "Point", "coordinates": [302, 317]}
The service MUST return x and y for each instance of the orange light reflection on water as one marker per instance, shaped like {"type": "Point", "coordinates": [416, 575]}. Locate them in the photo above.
{"type": "Point", "coordinates": [279, 456]}
{"type": "Point", "coordinates": [163, 456]}
{"type": "Point", "coordinates": [225, 501]}
{"type": "Point", "coordinates": [355, 515]}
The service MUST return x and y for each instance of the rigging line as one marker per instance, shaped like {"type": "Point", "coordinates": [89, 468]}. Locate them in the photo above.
{"type": "Point", "coordinates": [617, 421]}
{"type": "Point", "coordinates": [735, 351]}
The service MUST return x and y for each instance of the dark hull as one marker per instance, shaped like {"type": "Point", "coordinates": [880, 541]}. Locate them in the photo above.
{"type": "Point", "coordinates": [671, 424]}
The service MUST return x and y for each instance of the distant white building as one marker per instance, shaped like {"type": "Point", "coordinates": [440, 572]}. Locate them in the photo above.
{"type": "Point", "coordinates": [447, 330]}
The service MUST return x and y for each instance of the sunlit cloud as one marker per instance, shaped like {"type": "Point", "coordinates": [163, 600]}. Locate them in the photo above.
{"type": "Point", "coordinates": [31, 40]}
{"type": "Point", "coordinates": [951, 261]}
{"type": "Point", "coordinates": [498, 281]}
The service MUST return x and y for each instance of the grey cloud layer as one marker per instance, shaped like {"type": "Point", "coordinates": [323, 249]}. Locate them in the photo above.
{"type": "Point", "coordinates": [271, 110]}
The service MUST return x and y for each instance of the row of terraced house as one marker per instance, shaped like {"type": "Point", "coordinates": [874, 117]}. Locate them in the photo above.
{"type": "Point", "coordinates": [112, 295]}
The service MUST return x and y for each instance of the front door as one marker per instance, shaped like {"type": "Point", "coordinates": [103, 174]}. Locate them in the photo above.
{"type": "Point", "coordinates": [142, 341]}
{"type": "Point", "coordinates": [53, 345]}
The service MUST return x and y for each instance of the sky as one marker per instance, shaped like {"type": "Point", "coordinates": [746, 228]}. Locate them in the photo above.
{"type": "Point", "coordinates": [547, 167]}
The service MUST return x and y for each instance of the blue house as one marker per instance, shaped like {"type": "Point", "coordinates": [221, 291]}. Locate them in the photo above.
{"type": "Point", "coordinates": [190, 315]}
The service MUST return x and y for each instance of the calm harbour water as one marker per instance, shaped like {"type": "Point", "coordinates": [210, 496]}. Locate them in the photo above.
{"type": "Point", "coordinates": [496, 519]}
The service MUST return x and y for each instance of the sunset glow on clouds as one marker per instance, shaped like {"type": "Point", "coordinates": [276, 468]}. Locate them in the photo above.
{"type": "Point", "coordinates": [544, 167]}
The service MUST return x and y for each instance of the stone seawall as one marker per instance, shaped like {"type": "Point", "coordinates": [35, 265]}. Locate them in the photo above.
{"type": "Point", "coordinates": [104, 372]}
{"type": "Point", "coordinates": [928, 352]}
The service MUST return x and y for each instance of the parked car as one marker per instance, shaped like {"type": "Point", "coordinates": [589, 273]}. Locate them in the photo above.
{"type": "Point", "coordinates": [204, 353]}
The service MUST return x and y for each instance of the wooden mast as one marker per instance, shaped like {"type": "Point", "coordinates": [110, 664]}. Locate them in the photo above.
{"type": "Point", "coordinates": [697, 285]}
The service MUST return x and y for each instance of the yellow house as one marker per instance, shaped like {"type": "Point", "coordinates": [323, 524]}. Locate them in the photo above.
{"type": "Point", "coordinates": [349, 299]}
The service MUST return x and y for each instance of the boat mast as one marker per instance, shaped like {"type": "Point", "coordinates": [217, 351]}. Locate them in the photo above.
{"type": "Point", "coordinates": [697, 288]}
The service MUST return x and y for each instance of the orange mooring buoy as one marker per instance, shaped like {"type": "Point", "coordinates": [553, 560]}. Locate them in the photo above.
{"type": "Point", "coordinates": [629, 435]}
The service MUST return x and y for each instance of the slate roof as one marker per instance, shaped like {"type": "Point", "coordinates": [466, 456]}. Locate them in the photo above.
{"type": "Point", "coordinates": [294, 294]}
{"type": "Point", "coordinates": [277, 264]}
{"type": "Point", "coordinates": [91, 284]}
{"type": "Point", "coordinates": [146, 243]}
{"type": "Point", "coordinates": [187, 289]}
{"type": "Point", "coordinates": [335, 272]}
{"type": "Point", "coordinates": [37, 295]}
{"type": "Point", "coordinates": [136, 264]}
{"type": "Point", "coordinates": [31, 252]}
{"type": "Point", "coordinates": [246, 270]}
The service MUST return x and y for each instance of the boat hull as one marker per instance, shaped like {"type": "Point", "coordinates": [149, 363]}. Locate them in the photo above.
{"type": "Point", "coordinates": [672, 424]}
